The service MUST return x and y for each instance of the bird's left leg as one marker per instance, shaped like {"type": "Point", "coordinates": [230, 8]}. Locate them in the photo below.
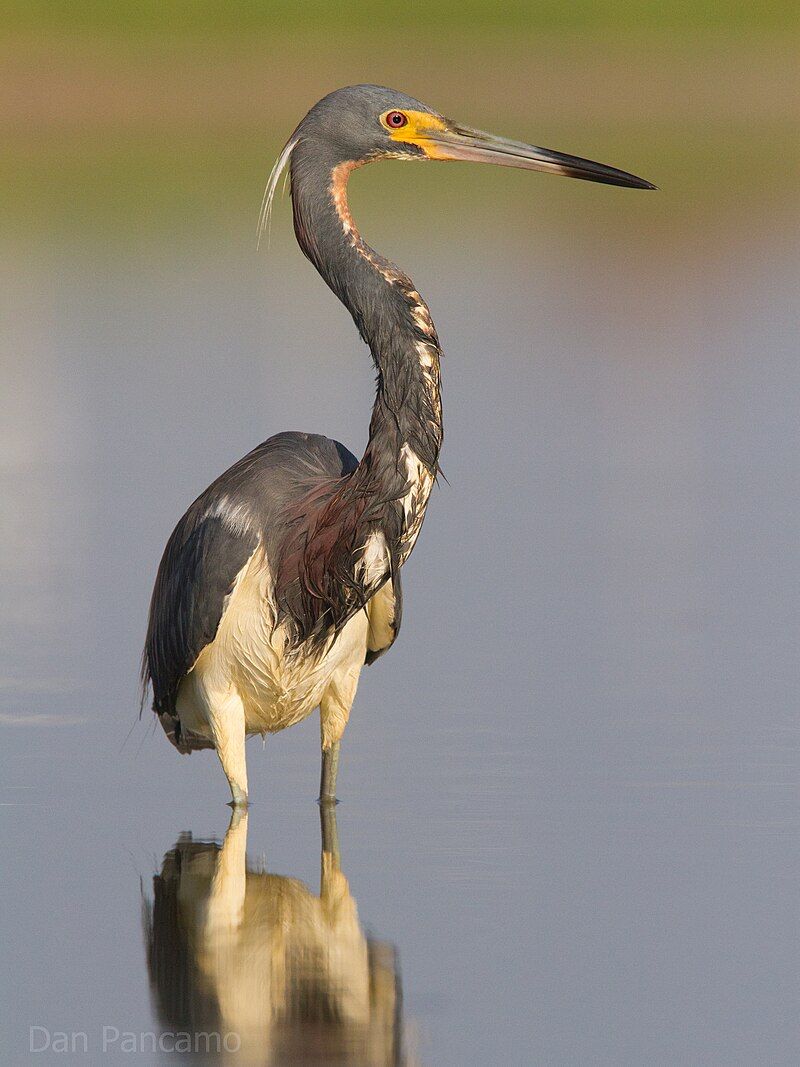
{"type": "Point", "coordinates": [334, 711]}
{"type": "Point", "coordinates": [330, 769]}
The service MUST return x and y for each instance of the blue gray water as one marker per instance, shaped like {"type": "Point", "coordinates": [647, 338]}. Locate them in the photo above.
{"type": "Point", "coordinates": [570, 818]}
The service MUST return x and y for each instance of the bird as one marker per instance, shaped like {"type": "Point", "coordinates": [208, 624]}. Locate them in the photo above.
{"type": "Point", "coordinates": [283, 579]}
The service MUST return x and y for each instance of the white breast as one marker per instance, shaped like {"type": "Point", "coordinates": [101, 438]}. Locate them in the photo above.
{"type": "Point", "coordinates": [249, 657]}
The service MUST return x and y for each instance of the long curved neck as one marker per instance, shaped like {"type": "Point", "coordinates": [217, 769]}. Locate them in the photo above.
{"type": "Point", "coordinates": [406, 427]}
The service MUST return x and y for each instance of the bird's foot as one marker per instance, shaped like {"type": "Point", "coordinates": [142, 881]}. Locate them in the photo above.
{"type": "Point", "coordinates": [240, 799]}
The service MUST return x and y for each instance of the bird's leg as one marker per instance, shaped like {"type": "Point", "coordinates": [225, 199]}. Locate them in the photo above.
{"type": "Point", "coordinates": [228, 728]}
{"type": "Point", "coordinates": [330, 767]}
{"type": "Point", "coordinates": [334, 711]}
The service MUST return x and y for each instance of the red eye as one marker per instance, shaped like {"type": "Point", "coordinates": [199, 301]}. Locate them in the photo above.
{"type": "Point", "coordinates": [396, 119]}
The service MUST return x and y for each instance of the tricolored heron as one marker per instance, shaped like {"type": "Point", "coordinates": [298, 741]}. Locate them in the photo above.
{"type": "Point", "coordinates": [283, 578]}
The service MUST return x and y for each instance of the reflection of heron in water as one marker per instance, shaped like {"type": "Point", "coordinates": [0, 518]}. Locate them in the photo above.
{"type": "Point", "coordinates": [234, 950]}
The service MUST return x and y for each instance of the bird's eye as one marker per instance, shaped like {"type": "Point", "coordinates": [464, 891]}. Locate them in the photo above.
{"type": "Point", "coordinates": [395, 119]}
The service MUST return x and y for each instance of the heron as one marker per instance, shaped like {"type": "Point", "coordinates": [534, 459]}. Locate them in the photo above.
{"type": "Point", "coordinates": [282, 579]}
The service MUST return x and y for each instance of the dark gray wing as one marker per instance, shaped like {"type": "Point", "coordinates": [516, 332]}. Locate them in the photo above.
{"type": "Point", "coordinates": [197, 571]}
{"type": "Point", "coordinates": [209, 547]}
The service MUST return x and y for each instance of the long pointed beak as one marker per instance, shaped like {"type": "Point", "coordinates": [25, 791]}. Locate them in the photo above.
{"type": "Point", "coordinates": [475, 146]}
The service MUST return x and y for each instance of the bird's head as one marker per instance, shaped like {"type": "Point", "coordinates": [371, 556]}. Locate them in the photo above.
{"type": "Point", "coordinates": [362, 123]}
{"type": "Point", "coordinates": [367, 122]}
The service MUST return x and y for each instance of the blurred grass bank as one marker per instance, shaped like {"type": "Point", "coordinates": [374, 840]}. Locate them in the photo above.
{"type": "Point", "coordinates": [164, 116]}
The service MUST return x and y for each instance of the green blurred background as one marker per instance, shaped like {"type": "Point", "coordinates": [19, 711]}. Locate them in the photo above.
{"type": "Point", "coordinates": [164, 116]}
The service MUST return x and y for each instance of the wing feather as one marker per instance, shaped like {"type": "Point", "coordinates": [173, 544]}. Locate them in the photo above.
{"type": "Point", "coordinates": [245, 507]}
{"type": "Point", "coordinates": [197, 572]}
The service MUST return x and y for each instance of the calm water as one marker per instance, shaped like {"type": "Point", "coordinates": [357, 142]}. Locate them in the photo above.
{"type": "Point", "coordinates": [570, 818]}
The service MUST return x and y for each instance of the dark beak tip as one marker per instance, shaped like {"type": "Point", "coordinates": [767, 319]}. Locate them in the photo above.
{"type": "Point", "coordinates": [632, 181]}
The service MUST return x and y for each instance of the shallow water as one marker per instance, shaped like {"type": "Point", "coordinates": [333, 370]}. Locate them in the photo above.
{"type": "Point", "coordinates": [569, 822]}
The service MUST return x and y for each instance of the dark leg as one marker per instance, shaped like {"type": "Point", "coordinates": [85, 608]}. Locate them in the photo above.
{"type": "Point", "coordinates": [330, 767]}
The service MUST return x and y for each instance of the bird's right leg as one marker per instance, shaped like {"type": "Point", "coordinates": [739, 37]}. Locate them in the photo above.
{"type": "Point", "coordinates": [334, 711]}
{"type": "Point", "coordinates": [330, 768]}
{"type": "Point", "coordinates": [226, 718]}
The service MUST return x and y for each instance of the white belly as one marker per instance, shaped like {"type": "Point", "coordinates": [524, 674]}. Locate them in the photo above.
{"type": "Point", "coordinates": [247, 658]}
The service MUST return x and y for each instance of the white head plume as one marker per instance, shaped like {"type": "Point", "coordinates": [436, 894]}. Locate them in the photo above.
{"type": "Point", "coordinates": [265, 215]}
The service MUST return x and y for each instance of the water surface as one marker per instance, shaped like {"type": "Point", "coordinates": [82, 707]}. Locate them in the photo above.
{"type": "Point", "coordinates": [569, 822]}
